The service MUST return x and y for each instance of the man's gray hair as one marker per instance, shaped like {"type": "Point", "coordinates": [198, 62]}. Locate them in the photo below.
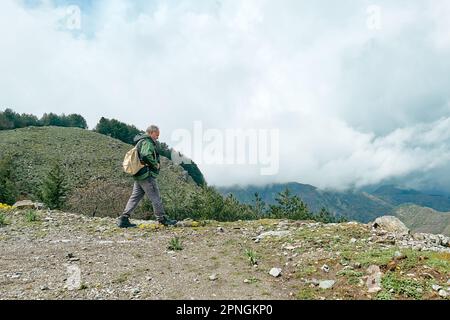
{"type": "Point", "coordinates": [152, 128]}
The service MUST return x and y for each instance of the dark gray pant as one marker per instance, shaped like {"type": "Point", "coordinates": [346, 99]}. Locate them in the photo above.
{"type": "Point", "coordinates": [149, 187]}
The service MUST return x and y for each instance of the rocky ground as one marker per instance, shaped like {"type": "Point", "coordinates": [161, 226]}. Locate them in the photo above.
{"type": "Point", "coordinates": [55, 255]}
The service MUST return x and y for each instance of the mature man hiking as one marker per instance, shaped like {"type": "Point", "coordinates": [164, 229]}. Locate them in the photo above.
{"type": "Point", "coordinates": [145, 179]}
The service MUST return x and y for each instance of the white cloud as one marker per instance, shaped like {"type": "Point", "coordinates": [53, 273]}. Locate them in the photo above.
{"type": "Point", "coordinates": [354, 106]}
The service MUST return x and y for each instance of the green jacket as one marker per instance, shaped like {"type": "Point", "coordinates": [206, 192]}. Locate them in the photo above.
{"type": "Point", "coordinates": [149, 155]}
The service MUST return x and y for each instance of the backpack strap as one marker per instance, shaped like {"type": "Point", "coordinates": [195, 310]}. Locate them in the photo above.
{"type": "Point", "coordinates": [138, 147]}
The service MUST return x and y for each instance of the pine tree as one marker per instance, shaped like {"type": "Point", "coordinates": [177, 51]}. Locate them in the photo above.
{"type": "Point", "coordinates": [8, 189]}
{"type": "Point", "coordinates": [54, 188]}
{"type": "Point", "coordinates": [289, 206]}
{"type": "Point", "coordinates": [259, 206]}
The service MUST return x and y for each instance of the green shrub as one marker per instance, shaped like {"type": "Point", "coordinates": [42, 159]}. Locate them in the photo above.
{"type": "Point", "coordinates": [251, 256]}
{"type": "Point", "coordinates": [175, 244]}
{"type": "Point", "coordinates": [54, 188]}
{"type": "Point", "coordinates": [8, 189]}
{"type": "Point", "coordinates": [2, 220]}
{"type": "Point", "coordinates": [31, 216]}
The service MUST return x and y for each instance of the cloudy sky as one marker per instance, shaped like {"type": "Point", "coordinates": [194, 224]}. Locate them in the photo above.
{"type": "Point", "coordinates": [359, 90]}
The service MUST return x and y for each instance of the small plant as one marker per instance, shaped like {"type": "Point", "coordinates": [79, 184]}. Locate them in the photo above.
{"type": "Point", "coordinates": [251, 256]}
{"type": "Point", "coordinates": [404, 287]}
{"type": "Point", "coordinates": [31, 216]}
{"type": "Point", "coordinates": [2, 220]}
{"type": "Point", "coordinates": [83, 286]}
{"type": "Point", "coordinates": [175, 244]}
{"type": "Point", "coordinates": [252, 280]}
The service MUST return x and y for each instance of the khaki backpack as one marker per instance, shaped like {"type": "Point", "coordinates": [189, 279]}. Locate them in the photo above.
{"type": "Point", "coordinates": [132, 162]}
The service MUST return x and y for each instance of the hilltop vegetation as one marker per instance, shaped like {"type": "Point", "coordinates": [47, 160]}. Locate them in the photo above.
{"type": "Point", "coordinates": [13, 120]}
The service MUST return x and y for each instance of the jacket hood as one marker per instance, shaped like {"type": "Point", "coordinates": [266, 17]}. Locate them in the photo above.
{"type": "Point", "coordinates": [139, 137]}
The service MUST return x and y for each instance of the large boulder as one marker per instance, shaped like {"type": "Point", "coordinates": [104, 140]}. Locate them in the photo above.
{"type": "Point", "coordinates": [390, 224]}
{"type": "Point", "coordinates": [28, 204]}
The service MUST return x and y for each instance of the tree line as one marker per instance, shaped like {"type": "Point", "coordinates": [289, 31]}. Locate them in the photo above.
{"type": "Point", "coordinates": [12, 120]}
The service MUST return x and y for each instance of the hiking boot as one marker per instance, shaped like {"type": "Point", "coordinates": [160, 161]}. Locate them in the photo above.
{"type": "Point", "coordinates": [168, 222]}
{"type": "Point", "coordinates": [124, 222]}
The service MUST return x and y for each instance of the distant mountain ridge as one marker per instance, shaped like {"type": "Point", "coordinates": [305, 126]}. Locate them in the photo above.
{"type": "Point", "coordinates": [424, 220]}
{"type": "Point", "coordinates": [355, 205]}
{"type": "Point", "coordinates": [398, 196]}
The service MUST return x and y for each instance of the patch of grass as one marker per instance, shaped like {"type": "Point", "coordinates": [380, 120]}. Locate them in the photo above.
{"type": "Point", "coordinates": [439, 261]}
{"type": "Point", "coordinates": [306, 294]}
{"type": "Point", "coordinates": [31, 216]}
{"type": "Point", "coordinates": [405, 287]}
{"type": "Point", "coordinates": [3, 221]}
{"type": "Point", "coordinates": [253, 280]}
{"type": "Point", "coordinates": [175, 244]}
{"type": "Point", "coordinates": [305, 272]}
{"type": "Point", "coordinates": [374, 256]}
{"type": "Point", "coordinates": [384, 295]}
{"type": "Point", "coordinates": [352, 276]}
{"type": "Point", "coordinates": [251, 256]}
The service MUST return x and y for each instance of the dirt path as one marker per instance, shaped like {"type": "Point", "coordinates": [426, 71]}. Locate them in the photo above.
{"type": "Point", "coordinates": [42, 260]}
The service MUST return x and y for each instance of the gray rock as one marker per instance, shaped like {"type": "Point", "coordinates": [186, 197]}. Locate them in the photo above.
{"type": "Point", "coordinates": [373, 282]}
{"type": "Point", "coordinates": [135, 291]}
{"type": "Point", "coordinates": [275, 272]}
{"type": "Point", "coordinates": [325, 268]}
{"type": "Point", "coordinates": [443, 293]}
{"type": "Point", "coordinates": [399, 256]}
{"type": "Point", "coordinates": [213, 277]}
{"type": "Point", "coordinates": [390, 224]}
{"type": "Point", "coordinates": [28, 204]}
{"type": "Point", "coordinates": [436, 287]}
{"type": "Point", "coordinates": [281, 233]}
{"type": "Point", "coordinates": [326, 284]}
